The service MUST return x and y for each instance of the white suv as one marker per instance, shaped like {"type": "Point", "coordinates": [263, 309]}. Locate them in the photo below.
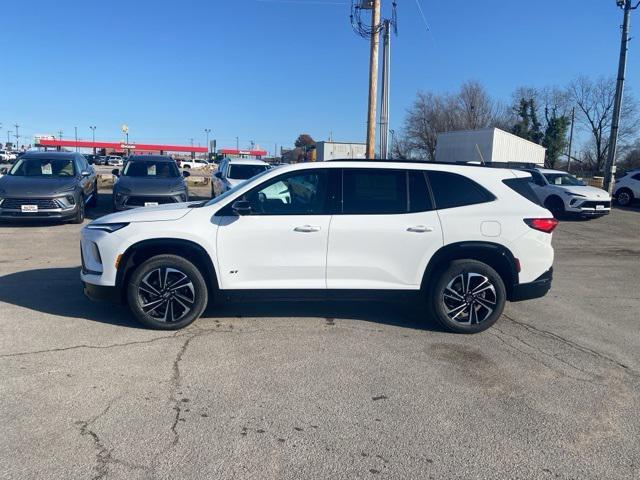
{"type": "Point", "coordinates": [627, 188]}
{"type": "Point", "coordinates": [234, 171]}
{"type": "Point", "coordinates": [563, 194]}
{"type": "Point", "coordinates": [194, 163]}
{"type": "Point", "coordinates": [467, 237]}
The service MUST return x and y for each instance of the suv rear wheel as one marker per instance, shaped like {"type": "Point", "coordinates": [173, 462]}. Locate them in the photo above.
{"type": "Point", "coordinates": [167, 292]}
{"type": "Point", "coordinates": [467, 297]}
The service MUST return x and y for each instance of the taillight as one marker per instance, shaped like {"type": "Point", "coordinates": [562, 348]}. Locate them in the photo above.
{"type": "Point", "coordinates": [545, 225]}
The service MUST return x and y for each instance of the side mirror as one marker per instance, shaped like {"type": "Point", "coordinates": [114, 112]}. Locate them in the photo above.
{"type": "Point", "coordinates": [116, 172]}
{"type": "Point", "coordinates": [85, 173]}
{"type": "Point", "coordinates": [241, 207]}
{"type": "Point", "coordinates": [186, 174]}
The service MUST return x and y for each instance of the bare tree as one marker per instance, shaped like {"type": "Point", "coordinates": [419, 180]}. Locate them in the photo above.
{"type": "Point", "coordinates": [469, 108]}
{"type": "Point", "coordinates": [594, 102]}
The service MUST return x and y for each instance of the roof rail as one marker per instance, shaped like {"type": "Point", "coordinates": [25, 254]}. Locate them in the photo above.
{"type": "Point", "coordinates": [509, 165]}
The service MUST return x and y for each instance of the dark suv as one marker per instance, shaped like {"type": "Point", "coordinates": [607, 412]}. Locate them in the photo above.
{"type": "Point", "coordinates": [48, 185]}
{"type": "Point", "coordinates": [148, 180]}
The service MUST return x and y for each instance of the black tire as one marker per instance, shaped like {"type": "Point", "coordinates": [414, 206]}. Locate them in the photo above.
{"type": "Point", "coordinates": [186, 302]}
{"type": "Point", "coordinates": [624, 197]}
{"type": "Point", "coordinates": [449, 299]}
{"type": "Point", "coordinates": [79, 216]}
{"type": "Point", "coordinates": [555, 206]}
{"type": "Point", "coordinates": [94, 198]}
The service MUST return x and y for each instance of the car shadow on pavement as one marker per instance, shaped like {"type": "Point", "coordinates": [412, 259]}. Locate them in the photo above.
{"type": "Point", "coordinates": [58, 292]}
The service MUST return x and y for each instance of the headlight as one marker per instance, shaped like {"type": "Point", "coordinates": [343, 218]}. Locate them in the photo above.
{"type": "Point", "coordinates": [106, 227]}
{"type": "Point", "coordinates": [574, 194]}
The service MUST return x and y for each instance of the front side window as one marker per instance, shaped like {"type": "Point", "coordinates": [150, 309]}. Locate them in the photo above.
{"type": "Point", "coordinates": [451, 190]}
{"type": "Point", "coordinates": [374, 191]}
{"type": "Point", "coordinates": [563, 179]}
{"type": "Point", "coordinates": [151, 169]}
{"type": "Point", "coordinates": [43, 167]}
{"type": "Point", "coordinates": [244, 172]}
{"type": "Point", "coordinates": [301, 193]}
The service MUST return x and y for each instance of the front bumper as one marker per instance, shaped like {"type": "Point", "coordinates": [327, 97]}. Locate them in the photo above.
{"type": "Point", "coordinates": [588, 207]}
{"type": "Point", "coordinates": [536, 289]}
{"type": "Point", "coordinates": [99, 293]}
{"type": "Point", "coordinates": [58, 214]}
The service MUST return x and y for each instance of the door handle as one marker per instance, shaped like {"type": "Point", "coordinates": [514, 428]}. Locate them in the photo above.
{"type": "Point", "coordinates": [420, 229]}
{"type": "Point", "coordinates": [307, 228]}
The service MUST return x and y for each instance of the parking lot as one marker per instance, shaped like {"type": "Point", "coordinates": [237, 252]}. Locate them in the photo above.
{"type": "Point", "coordinates": [322, 390]}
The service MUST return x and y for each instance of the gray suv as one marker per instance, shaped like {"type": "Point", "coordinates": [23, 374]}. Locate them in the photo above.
{"type": "Point", "coordinates": [148, 181]}
{"type": "Point", "coordinates": [48, 185]}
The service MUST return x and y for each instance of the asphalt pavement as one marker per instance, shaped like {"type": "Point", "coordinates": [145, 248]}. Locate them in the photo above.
{"type": "Point", "coordinates": [322, 390]}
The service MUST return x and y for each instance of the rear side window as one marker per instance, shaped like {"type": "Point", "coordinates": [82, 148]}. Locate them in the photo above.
{"type": "Point", "coordinates": [451, 190]}
{"type": "Point", "coordinates": [636, 176]}
{"type": "Point", "coordinates": [374, 191]}
{"type": "Point", "coordinates": [522, 186]}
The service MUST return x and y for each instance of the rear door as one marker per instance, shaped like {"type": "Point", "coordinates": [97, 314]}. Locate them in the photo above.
{"type": "Point", "coordinates": [385, 230]}
{"type": "Point", "coordinates": [282, 243]}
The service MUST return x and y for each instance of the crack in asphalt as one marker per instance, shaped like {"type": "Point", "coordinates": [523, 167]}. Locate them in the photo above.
{"type": "Point", "coordinates": [103, 454]}
{"type": "Point", "coordinates": [539, 361]}
{"type": "Point", "coordinates": [175, 385]}
{"type": "Point", "coordinates": [93, 347]}
{"type": "Point", "coordinates": [569, 343]}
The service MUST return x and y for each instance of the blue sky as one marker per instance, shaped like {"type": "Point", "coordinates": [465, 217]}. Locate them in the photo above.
{"type": "Point", "coordinates": [269, 70]}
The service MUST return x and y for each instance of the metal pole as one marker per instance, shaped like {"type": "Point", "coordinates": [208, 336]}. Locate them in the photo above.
{"type": "Point", "coordinates": [237, 143]}
{"type": "Point", "coordinates": [93, 136]}
{"type": "Point", "coordinates": [9, 132]}
{"type": "Point", "coordinates": [76, 130]}
{"type": "Point", "coordinates": [373, 80]}
{"type": "Point", "coordinates": [610, 168]}
{"type": "Point", "coordinates": [17, 137]}
{"type": "Point", "coordinates": [384, 103]}
{"type": "Point", "coordinates": [573, 117]}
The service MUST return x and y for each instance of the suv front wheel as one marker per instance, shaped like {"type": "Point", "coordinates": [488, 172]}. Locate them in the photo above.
{"type": "Point", "coordinates": [167, 292]}
{"type": "Point", "coordinates": [467, 297]}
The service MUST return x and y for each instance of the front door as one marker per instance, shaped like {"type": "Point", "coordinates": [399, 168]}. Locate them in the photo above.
{"type": "Point", "coordinates": [282, 242]}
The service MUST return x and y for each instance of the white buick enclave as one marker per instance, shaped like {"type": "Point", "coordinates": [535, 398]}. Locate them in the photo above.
{"type": "Point", "coordinates": [468, 238]}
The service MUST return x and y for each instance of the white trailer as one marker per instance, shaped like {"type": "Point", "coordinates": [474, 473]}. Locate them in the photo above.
{"type": "Point", "coordinates": [337, 150]}
{"type": "Point", "coordinates": [489, 145]}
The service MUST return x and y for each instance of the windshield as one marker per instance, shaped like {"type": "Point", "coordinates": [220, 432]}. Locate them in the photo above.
{"type": "Point", "coordinates": [43, 167]}
{"type": "Point", "coordinates": [151, 169]}
{"type": "Point", "coordinates": [244, 172]}
{"type": "Point", "coordinates": [563, 179]}
{"type": "Point", "coordinates": [233, 190]}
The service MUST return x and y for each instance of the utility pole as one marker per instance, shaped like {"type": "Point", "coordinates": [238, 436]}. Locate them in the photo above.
{"type": "Point", "coordinates": [17, 137]}
{"type": "Point", "coordinates": [93, 136]}
{"type": "Point", "coordinates": [208, 131]}
{"type": "Point", "coordinates": [573, 118]}
{"type": "Point", "coordinates": [9, 132]}
{"type": "Point", "coordinates": [76, 130]}
{"type": "Point", "coordinates": [237, 143]}
{"type": "Point", "coordinates": [373, 80]}
{"type": "Point", "coordinates": [384, 103]}
{"type": "Point", "coordinates": [610, 168]}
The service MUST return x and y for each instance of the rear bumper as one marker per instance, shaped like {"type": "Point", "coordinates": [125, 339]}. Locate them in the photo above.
{"type": "Point", "coordinates": [99, 293]}
{"type": "Point", "coordinates": [536, 289]}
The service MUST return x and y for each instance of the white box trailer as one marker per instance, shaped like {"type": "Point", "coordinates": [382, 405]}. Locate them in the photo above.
{"type": "Point", "coordinates": [488, 145]}
{"type": "Point", "coordinates": [337, 150]}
